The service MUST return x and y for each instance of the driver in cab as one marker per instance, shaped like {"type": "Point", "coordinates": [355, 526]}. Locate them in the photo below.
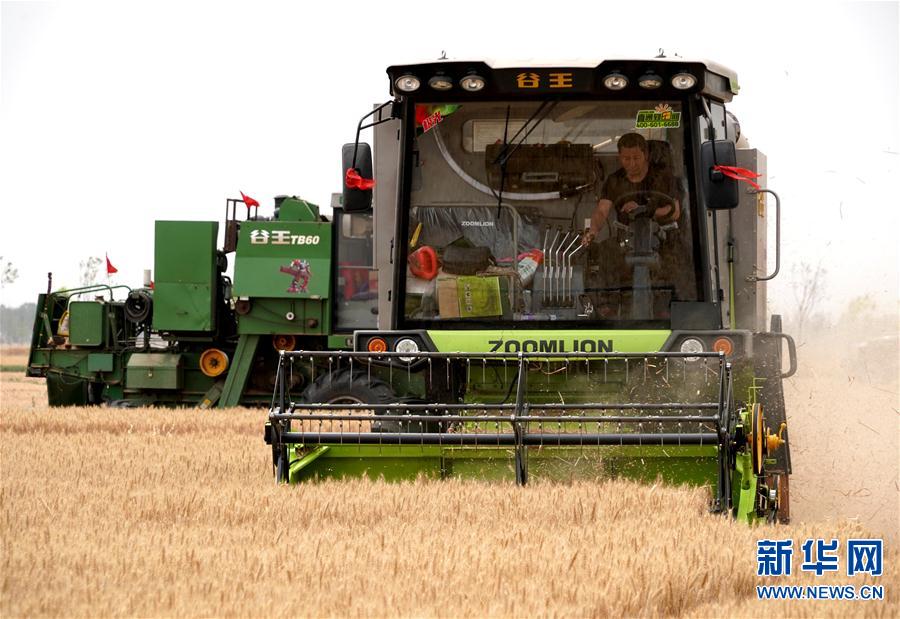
{"type": "Point", "coordinates": [635, 184]}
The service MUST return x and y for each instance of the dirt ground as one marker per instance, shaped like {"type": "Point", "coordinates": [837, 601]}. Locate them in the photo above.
{"type": "Point", "coordinates": [173, 513]}
{"type": "Point", "coordinates": [845, 441]}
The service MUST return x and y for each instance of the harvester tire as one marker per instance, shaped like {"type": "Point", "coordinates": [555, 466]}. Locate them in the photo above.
{"type": "Point", "coordinates": [784, 499]}
{"type": "Point", "coordinates": [344, 387]}
{"type": "Point", "coordinates": [431, 427]}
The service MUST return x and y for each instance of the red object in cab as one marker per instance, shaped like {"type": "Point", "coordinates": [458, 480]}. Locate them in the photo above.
{"type": "Point", "coordinates": [423, 263]}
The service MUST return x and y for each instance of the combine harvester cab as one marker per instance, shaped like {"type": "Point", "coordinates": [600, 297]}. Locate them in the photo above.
{"type": "Point", "coordinates": [571, 279]}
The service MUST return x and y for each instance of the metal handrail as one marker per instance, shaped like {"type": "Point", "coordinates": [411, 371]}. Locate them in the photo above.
{"type": "Point", "coordinates": [69, 292]}
{"type": "Point", "coordinates": [487, 406]}
{"type": "Point", "coordinates": [341, 354]}
{"type": "Point", "coordinates": [499, 419]}
{"type": "Point", "coordinates": [755, 278]}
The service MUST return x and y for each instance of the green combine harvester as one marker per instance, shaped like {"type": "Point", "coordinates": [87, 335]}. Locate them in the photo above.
{"type": "Point", "coordinates": [192, 337]}
{"type": "Point", "coordinates": [548, 272]}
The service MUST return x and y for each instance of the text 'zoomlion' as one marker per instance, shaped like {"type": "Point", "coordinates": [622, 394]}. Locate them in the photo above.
{"type": "Point", "coordinates": [550, 346]}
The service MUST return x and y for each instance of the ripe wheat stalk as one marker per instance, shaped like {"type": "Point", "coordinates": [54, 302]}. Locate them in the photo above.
{"type": "Point", "coordinates": [150, 513]}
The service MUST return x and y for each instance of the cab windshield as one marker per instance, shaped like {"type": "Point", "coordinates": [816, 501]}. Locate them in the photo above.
{"type": "Point", "coordinates": [546, 211]}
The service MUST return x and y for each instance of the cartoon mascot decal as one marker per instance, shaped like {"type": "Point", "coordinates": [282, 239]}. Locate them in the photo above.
{"type": "Point", "coordinates": [300, 271]}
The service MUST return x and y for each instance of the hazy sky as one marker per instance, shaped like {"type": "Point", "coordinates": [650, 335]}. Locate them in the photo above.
{"type": "Point", "coordinates": [113, 115]}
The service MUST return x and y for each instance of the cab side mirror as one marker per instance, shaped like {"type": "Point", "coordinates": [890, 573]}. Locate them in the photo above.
{"type": "Point", "coordinates": [719, 191]}
{"type": "Point", "coordinates": [357, 194]}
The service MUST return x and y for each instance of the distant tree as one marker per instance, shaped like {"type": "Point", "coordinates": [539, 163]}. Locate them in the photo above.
{"type": "Point", "coordinates": [865, 316]}
{"type": "Point", "coordinates": [9, 273]}
{"type": "Point", "coordinates": [859, 309]}
{"type": "Point", "coordinates": [16, 323]}
{"type": "Point", "coordinates": [809, 288]}
{"type": "Point", "coordinates": [89, 269]}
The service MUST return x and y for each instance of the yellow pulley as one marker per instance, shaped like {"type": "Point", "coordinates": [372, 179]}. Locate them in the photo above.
{"type": "Point", "coordinates": [761, 440]}
{"type": "Point", "coordinates": [774, 441]}
{"type": "Point", "coordinates": [757, 434]}
{"type": "Point", "coordinates": [213, 362]}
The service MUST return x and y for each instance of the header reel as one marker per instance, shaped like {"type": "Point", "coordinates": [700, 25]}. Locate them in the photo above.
{"type": "Point", "coordinates": [521, 414]}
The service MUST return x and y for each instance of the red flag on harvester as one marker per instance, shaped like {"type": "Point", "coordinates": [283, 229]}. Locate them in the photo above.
{"type": "Point", "coordinates": [353, 180]}
{"type": "Point", "coordinates": [249, 201]}
{"type": "Point", "coordinates": [739, 174]}
{"type": "Point", "coordinates": [110, 269]}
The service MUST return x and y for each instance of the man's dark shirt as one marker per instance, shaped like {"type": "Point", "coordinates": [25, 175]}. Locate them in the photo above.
{"type": "Point", "coordinates": [619, 190]}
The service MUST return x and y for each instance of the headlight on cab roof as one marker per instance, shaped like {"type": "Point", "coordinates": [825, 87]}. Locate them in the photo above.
{"type": "Point", "coordinates": [472, 82]}
{"type": "Point", "coordinates": [650, 81]}
{"type": "Point", "coordinates": [407, 83]}
{"type": "Point", "coordinates": [683, 81]}
{"type": "Point", "coordinates": [441, 82]}
{"type": "Point", "coordinates": [615, 81]}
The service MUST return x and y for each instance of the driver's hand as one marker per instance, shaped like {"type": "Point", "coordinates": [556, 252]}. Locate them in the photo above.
{"type": "Point", "coordinates": [588, 237]}
{"type": "Point", "coordinates": [629, 206]}
{"type": "Point", "coordinates": [663, 213]}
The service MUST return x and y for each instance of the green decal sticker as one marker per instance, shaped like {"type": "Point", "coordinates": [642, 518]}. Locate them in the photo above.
{"type": "Point", "coordinates": [479, 296]}
{"type": "Point", "coordinates": [661, 117]}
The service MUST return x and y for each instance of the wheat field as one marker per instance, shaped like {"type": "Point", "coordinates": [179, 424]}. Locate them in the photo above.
{"type": "Point", "coordinates": [161, 513]}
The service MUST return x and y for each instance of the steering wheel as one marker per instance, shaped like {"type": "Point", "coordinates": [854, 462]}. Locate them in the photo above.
{"type": "Point", "coordinates": [642, 198]}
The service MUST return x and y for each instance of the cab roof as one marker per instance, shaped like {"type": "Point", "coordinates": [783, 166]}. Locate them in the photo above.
{"type": "Point", "coordinates": [713, 79]}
